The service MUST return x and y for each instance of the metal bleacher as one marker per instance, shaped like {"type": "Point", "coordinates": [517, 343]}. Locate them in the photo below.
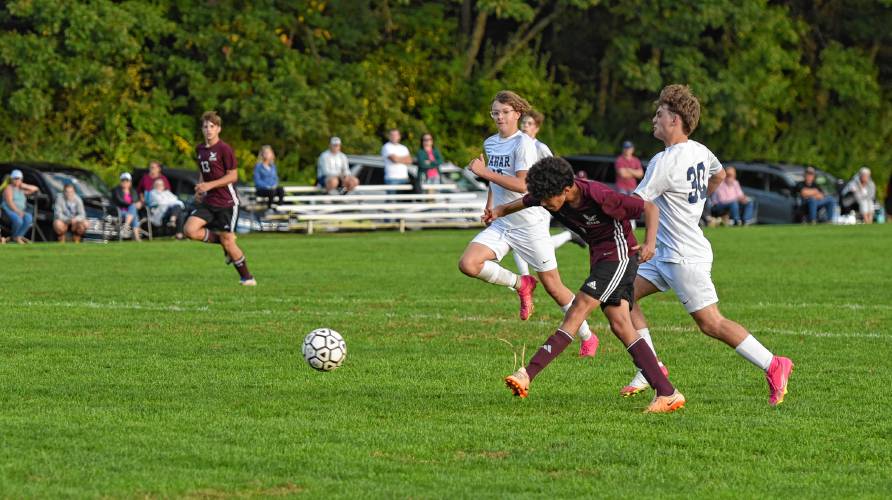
{"type": "Point", "coordinates": [308, 209]}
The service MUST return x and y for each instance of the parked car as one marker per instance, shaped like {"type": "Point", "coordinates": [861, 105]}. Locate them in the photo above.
{"type": "Point", "coordinates": [773, 186]}
{"type": "Point", "coordinates": [596, 167]}
{"type": "Point", "coordinates": [51, 178]}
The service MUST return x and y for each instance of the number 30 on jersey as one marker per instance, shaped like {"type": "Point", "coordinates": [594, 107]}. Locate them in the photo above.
{"type": "Point", "coordinates": [697, 178]}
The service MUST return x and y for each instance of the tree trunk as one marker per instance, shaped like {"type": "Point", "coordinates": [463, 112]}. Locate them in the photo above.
{"type": "Point", "coordinates": [466, 18]}
{"type": "Point", "coordinates": [474, 43]}
{"type": "Point", "coordinates": [521, 41]}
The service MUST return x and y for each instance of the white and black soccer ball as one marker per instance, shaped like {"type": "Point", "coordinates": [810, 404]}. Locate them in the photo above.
{"type": "Point", "coordinates": [324, 349]}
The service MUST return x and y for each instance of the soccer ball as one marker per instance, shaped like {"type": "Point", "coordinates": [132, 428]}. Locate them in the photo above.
{"type": "Point", "coordinates": [324, 349]}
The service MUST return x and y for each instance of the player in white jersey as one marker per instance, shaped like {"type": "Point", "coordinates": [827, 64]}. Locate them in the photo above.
{"type": "Point", "coordinates": [678, 181]}
{"type": "Point", "coordinates": [509, 155]}
{"type": "Point", "coordinates": [530, 123]}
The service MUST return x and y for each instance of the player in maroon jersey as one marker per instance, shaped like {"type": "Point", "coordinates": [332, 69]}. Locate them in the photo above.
{"type": "Point", "coordinates": [216, 213]}
{"type": "Point", "coordinates": [601, 217]}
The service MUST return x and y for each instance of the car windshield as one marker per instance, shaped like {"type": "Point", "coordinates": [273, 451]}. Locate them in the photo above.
{"type": "Point", "coordinates": [821, 178]}
{"type": "Point", "coordinates": [57, 181]}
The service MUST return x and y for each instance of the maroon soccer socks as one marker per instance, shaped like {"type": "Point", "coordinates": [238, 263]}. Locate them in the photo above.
{"type": "Point", "coordinates": [644, 359]}
{"type": "Point", "coordinates": [552, 348]}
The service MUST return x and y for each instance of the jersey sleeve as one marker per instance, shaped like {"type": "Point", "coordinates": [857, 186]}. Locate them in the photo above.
{"type": "Point", "coordinates": [544, 151]}
{"type": "Point", "coordinates": [656, 180]}
{"type": "Point", "coordinates": [525, 155]}
{"type": "Point", "coordinates": [617, 205]}
{"type": "Point", "coordinates": [714, 164]}
{"type": "Point", "coordinates": [229, 162]}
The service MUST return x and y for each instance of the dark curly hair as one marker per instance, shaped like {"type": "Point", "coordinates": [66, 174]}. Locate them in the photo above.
{"type": "Point", "coordinates": [549, 177]}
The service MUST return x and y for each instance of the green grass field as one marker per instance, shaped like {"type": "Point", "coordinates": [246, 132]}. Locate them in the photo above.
{"type": "Point", "coordinates": [144, 370]}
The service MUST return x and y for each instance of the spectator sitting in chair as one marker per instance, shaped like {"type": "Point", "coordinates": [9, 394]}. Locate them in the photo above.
{"type": "Point", "coordinates": [728, 197]}
{"type": "Point", "coordinates": [333, 170]}
{"type": "Point", "coordinates": [865, 191]}
{"type": "Point", "coordinates": [266, 178]}
{"type": "Point", "coordinates": [813, 198]}
{"type": "Point", "coordinates": [15, 205]}
{"type": "Point", "coordinates": [69, 214]}
{"type": "Point", "coordinates": [147, 181]}
{"type": "Point", "coordinates": [124, 197]}
{"type": "Point", "coordinates": [165, 207]}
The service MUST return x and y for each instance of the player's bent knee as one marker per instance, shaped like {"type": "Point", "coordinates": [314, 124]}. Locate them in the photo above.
{"type": "Point", "coordinates": [711, 326]}
{"type": "Point", "coordinates": [469, 267]}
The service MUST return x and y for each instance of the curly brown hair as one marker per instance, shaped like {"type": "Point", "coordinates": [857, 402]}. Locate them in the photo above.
{"type": "Point", "coordinates": [680, 100]}
{"type": "Point", "coordinates": [512, 99]}
{"type": "Point", "coordinates": [213, 117]}
{"type": "Point", "coordinates": [537, 117]}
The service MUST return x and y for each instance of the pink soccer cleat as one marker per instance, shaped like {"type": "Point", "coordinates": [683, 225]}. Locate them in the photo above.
{"type": "Point", "coordinates": [525, 292]}
{"type": "Point", "coordinates": [588, 348]}
{"type": "Point", "coordinates": [778, 375]}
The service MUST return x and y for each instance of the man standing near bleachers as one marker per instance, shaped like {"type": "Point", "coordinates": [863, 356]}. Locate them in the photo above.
{"type": "Point", "coordinates": [396, 159]}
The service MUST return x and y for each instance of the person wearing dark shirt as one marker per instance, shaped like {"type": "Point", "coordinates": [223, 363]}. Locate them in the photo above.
{"type": "Point", "coordinates": [429, 160]}
{"type": "Point", "coordinates": [814, 199]}
{"type": "Point", "coordinates": [601, 217]}
{"type": "Point", "coordinates": [125, 198]}
{"type": "Point", "coordinates": [216, 213]}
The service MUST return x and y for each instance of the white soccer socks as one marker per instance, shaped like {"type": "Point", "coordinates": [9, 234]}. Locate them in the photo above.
{"type": "Point", "coordinates": [754, 352]}
{"type": "Point", "coordinates": [498, 275]}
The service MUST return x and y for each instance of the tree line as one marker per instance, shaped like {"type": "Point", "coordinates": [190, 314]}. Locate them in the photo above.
{"type": "Point", "coordinates": [111, 85]}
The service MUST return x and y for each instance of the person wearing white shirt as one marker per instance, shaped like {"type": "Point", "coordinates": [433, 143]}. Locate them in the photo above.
{"type": "Point", "coordinates": [333, 170]}
{"type": "Point", "coordinates": [396, 159]}
{"type": "Point", "coordinates": [679, 180]}
{"type": "Point", "coordinates": [164, 207]}
{"type": "Point", "coordinates": [509, 155]}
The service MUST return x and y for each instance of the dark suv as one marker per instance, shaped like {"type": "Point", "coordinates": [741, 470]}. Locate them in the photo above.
{"type": "Point", "coordinates": [773, 186]}
{"type": "Point", "coordinates": [596, 167]}
{"type": "Point", "coordinates": [51, 178]}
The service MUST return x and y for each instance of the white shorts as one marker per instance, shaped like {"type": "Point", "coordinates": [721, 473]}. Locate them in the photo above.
{"type": "Point", "coordinates": [531, 243]}
{"type": "Point", "coordinates": [692, 282]}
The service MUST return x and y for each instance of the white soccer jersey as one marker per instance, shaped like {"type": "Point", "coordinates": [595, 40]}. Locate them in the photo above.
{"type": "Point", "coordinates": [542, 150]}
{"type": "Point", "coordinates": [676, 181]}
{"type": "Point", "coordinates": [509, 156]}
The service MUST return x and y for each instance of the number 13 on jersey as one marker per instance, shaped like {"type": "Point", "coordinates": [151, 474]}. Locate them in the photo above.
{"type": "Point", "coordinates": [699, 183]}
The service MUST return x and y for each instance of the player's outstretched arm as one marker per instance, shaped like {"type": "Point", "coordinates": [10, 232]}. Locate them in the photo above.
{"type": "Point", "coordinates": [503, 210]}
{"type": "Point", "coordinates": [715, 181]}
{"type": "Point", "coordinates": [651, 223]}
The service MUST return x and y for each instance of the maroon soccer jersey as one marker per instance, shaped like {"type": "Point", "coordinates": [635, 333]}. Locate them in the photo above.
{"type": "Point", "coordinates": [213, 163]}
{"type": "Point", "coordinates": [602, 219]}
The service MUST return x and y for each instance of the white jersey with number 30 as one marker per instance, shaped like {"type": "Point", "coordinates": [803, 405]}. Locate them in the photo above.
{"type": "Point", "coordinates": [508, 156]}
{"type": "Point", "coordinates": [676, 181]}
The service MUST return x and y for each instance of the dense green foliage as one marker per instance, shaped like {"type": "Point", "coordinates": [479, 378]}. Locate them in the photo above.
{"type": "Point", "coordinates": [110, 85]}
{"type": "Point", "coordinates": [146, 371]}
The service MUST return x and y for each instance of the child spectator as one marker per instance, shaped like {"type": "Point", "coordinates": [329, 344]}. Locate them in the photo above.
{"type": "Point", "coordinates": [69, 214]}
